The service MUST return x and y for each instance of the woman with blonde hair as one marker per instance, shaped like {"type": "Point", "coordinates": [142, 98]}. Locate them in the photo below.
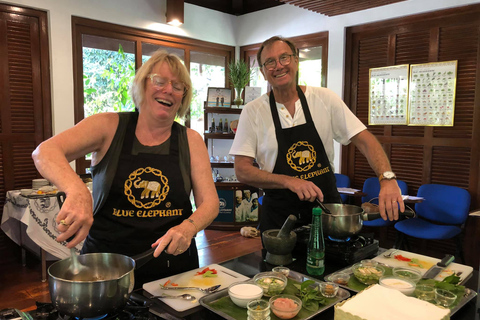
{"type": "Point", "coordinates": [144, 167]}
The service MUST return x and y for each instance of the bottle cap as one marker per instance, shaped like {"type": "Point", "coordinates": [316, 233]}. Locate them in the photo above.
{"type": "Point", "coordinates": [317, 211]}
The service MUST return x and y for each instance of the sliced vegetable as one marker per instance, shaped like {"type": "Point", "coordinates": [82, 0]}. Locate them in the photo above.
{"type": "Point", "coordinates": [399, 257]}
{"type": "Point", "coordinates": [209, 274]}
{"type": "Point", "coordinates": [207, 269]}
{"type": "Point", "coordinates": [168, 282]}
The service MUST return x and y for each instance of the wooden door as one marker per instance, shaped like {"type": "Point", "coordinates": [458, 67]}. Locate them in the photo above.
{"type": "Point", "coordinates": [25, 113]}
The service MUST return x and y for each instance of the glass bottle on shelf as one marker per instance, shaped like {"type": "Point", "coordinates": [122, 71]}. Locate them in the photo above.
{"type": "Point", "coordinates": [316, 245]}
{"type": "Point", "coordinates": [220, 126]}
{"type": "Point", "coordinates": [213, 128]}
{"type": "Point", "coordinates": [225, 126]}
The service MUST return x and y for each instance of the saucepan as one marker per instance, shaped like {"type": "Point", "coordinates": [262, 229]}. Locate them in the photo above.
{"type": "Point", "coordinates": [104, 287]}
{"type": "Point", "coordinates": [345, 220]}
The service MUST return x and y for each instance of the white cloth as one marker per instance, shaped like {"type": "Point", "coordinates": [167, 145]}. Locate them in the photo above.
{"type": "Point", "coordinates": [37, 216]}
{"type": "Point", "coordinates": [256, 137]}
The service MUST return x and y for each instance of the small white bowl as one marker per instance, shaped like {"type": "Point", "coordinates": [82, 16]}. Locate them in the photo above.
{"type": "Point", "coordinates": [405, 286]}
{"type": "Point", "coordinates": [242, 293]}
{"type": "Point", "coordinates": [26, 192]}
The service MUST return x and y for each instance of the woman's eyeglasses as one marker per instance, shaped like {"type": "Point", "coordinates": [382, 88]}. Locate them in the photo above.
{"type": "Point", "coordinates": [159, 82]}
{"type": "Point", "coordinates": [284, 60]}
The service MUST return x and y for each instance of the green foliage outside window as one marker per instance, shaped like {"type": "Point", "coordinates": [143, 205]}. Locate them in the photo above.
{"type": "Point", "coordinates": [107, 78]}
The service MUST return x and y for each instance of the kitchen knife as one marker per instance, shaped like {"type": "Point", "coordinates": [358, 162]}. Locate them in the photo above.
{"type": "Point", "coordinates": [436, 269]}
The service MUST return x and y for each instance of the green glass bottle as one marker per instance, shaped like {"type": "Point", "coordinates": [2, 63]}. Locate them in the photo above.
{"type": "Point", "coordinates": [316, 245]}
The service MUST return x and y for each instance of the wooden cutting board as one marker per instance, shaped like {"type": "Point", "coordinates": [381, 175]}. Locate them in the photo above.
{"type": "Point", "coordinates": [425, 263]}
{"type": "Point", "coordinates": [225, 278]}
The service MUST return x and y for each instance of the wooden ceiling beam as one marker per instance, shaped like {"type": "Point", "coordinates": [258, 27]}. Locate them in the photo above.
{"type": "Point", "coordinates": [352, 7]}
{"type": "Point", "coordinates": [335, 7]}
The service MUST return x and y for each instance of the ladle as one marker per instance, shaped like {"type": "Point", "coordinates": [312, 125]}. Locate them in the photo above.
{"type": "Point", "coordinates": [76, 269]}
{"type": "Point", "coordinates": [325, 209]}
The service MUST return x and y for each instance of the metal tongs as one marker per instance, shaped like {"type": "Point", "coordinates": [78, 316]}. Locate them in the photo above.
{"type": "Point", "coordinates": [325, 209]}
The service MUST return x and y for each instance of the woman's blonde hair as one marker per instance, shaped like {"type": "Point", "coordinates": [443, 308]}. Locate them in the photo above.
{"type": "Point", "coordinates": [178, 69]}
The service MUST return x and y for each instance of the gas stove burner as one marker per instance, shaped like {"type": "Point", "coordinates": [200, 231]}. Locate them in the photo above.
{"type": "Point", "coordinates": [134, 310]}
{"type": "Point", "coordinates": [339, 240]}
{"type": "Point", "coordinates": [61, 317]}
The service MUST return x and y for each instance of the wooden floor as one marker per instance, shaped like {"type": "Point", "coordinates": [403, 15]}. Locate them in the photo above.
{"type": "Point", "coordinates": [21, 286]}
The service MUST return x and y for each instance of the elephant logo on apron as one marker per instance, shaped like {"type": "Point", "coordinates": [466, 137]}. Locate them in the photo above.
{"type": "Point", "coordinates": [301, 156]}
{"type": "Point", "coordinates": [141, 180]}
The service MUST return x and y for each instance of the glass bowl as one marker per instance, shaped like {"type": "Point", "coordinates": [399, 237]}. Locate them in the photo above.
{"type": "Point", "coordinates": [242, 293]}
{"type": "Point", "coordinates": [425, 292]}
{"type": "Point", "coordinates": [369, 262]}
{"type": "Point", "coordinates": [405, 286]}
{"type": "Point", "coordinates": [340, 278]}
{"type": "Point", "coordinates": [272, 283]}
{"type": "Point", "coordinates": [285, 306]}
{"type": "Point", "coordinates": [283, 270]}
{"type": "Point", "coordinates": [328, 289]}
{"type": "Point", "coordinates": [367, 274]}
{"type": "Point", "coordinates": [258, 309]}
{"type": "Point", "coordinates": [407, 273]}
{"type": "Point", "coordinates": [444, 298]}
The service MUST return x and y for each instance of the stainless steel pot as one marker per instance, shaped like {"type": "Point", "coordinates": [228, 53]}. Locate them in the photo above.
{"type": "Point", "coordinates": [346, 220]}
{"type": "Point", "coordinates": [105, 288]}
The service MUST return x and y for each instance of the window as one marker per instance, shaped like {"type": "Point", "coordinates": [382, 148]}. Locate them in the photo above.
{"type": "Point", "coordinates": [312, 53]}
{"type": "Point", "coordinates": [105, 59]}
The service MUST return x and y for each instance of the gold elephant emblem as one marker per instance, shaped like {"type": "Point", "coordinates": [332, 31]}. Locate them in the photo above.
{"type": "Point", "coordinates": [151, 189]}
{"type": "Point", "coordinates": [305, 156]}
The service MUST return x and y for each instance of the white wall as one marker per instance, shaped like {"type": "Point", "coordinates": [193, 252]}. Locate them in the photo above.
{"type": "Point", "coordinates": [207, 25]}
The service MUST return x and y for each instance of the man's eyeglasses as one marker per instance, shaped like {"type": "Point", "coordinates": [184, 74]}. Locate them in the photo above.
{"type": "Point", "coordinates": [284, 60]}
{"type": "Point", "coordinates": [159, 82]}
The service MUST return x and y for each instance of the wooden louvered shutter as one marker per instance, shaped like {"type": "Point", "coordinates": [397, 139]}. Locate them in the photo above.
{"type": "Point", "coordinates": [421, 155]}
{"type": "Point", "coordinates": [25, 116]}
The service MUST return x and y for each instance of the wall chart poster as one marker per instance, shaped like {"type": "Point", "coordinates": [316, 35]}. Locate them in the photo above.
{"type": "Point", "coordinates": [388, 98]}
{"type": "Point", "coordinates": [432, 94]}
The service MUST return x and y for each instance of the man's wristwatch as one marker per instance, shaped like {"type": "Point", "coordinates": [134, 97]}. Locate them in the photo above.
{"type": "Point", "coordinates": [387, 175]}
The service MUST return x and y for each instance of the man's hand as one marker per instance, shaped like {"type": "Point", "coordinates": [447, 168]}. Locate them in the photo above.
{"type": "Point", "coordinates": [390, 199]}
{"type": "Point", "coordinates": [305, 190]}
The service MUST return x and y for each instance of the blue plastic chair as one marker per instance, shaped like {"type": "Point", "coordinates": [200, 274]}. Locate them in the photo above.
{"type": "Point", "coordinates": [446, 205]}
{"type": "Point", "coordinates": [343, 181]}
{"type": "Point", "coordinates": [371, 187]}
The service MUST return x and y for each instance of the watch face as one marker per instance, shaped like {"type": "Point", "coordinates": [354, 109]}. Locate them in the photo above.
{"type": "Point", "coordinates": [389, 175]}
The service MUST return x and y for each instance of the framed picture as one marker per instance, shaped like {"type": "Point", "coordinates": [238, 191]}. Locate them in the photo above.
{"type": "Point", "coordinates": [252, 93]}
{"type": "Point", "coordinates": [388, 97]}
{"type": "Point", "coordinates": [432, 93]}
{"type": "Point", "coordinates": [219, 97]}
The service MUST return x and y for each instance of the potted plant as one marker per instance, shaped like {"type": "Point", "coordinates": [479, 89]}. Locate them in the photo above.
{"type": "Point", "coordinates": [239, 77]}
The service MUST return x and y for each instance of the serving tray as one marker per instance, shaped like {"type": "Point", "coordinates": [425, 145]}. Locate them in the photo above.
{"type": "Point", "coordinates": [356, 286]}
{"type": "Point", "coordinates": [220, 303]}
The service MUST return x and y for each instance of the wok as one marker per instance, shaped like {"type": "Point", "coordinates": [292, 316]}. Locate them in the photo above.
{"type": "Point", "coordinates": [346, 220]}
{"type": "Point", "coordinates": [103, 286]}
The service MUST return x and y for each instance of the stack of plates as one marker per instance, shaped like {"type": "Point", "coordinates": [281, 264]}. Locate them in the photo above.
{"type": "Point", "coordinates": [38, 183]}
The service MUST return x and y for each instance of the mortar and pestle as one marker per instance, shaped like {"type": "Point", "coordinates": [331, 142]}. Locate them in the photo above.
{"type": "Point", "coordinates": [280, 243]}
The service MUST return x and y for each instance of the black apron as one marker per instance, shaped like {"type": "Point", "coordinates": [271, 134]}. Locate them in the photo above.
{"type": "Point", "coordinates": [147, 197]}
{"type": "Point", "coordinates": [300, 154]}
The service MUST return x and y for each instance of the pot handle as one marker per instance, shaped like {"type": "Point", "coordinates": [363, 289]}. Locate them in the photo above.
{"type": "Point", "coordinates": [376, 215]}
{"type": "Point", "coordinates": [143, 258]}
{"type": "Point", "coordinates": [61, 196]}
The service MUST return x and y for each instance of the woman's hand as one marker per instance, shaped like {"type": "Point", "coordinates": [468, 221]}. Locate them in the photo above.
{"type": "Point", "coordinates": [176, 241]}
{"type": "Point", "coordinates": [76, 217]}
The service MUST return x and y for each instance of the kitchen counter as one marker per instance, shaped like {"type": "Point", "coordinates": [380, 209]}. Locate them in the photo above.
{"type": "Point", "coordinates": [253, 263]}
